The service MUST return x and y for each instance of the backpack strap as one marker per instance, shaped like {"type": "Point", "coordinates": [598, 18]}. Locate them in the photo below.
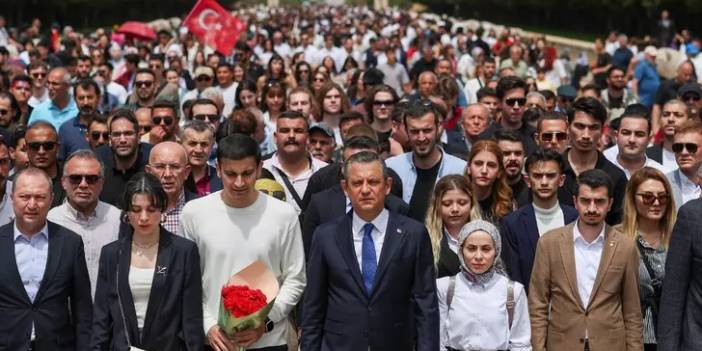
{"type": "Point", "coordinates": [510, 302]}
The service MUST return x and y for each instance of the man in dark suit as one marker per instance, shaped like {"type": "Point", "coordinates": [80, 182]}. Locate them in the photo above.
{"type": "Point", "coordinates": [198, 140]}
{"type": "Point", "coordinates": [45, 298]}
{"type": "Point", "coordinates": [522, 229]}
{"type": "Point", "coordinates": [371, 274]}
{"type": "Point", "coordinates": [678, 328]}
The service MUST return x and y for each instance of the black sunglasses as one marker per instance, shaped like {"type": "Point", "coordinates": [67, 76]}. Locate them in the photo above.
{"type": "Point", "coordinates": [203, 79]}
{"type": "Point", "coordinates": [166, 120]}
{"type": "Point", "coordinates": [38, 75]}
{"type": "Point", "coordinates": [3, 112]}
{"type": "Point", "coordinates": [518, 101]}
{"type": "Point", "coordinates": [47, 145]}
{"type": "Point", "coordinates": [90, 179]}
{"type": "Point", "coordinates": [144, 83]}
{"type": "Point", "coordinates": [96, 135]}
{"type": "Point", "coordinates": [212, 118]}
{"type": "Point", "coordinates": [678, 147]}
{"type": "Point", "coordinates": [693, 97]}
{"type": "Point", "coordinates": [547, 137]}
{"type": "Point", "coordinates": [383, 103]}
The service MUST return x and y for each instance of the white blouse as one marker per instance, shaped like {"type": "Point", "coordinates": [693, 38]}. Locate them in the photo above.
{"type": "Point", "coordinates": [140, 280]}
{"type": "Point", "coordinates": [478, 317]}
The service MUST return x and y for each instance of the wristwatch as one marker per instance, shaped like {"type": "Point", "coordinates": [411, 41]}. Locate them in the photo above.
{"type": "Point", "coordinates": [269, 325]}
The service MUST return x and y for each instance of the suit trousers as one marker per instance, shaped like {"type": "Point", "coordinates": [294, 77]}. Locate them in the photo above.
{"type": "Point", "coordinates": [270, 348]}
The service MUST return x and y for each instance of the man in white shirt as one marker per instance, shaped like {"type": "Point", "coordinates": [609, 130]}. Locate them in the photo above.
{"type": "Point", "coordinates": [472, 86]}
{"type": "Point", "coordinates": [330, 50]}
{"type": "Point", "coordinates": [584, 291]}
{"type": "Point", "coordinates": [281, 47]}
{"type": "Point", "coordinates": [687, 145]}
{"type": "Point", "coordinates": [227, 86]}
{"type": "Point", "coordinates": [292, 165]}
{"type": "Point", "coordinates": [236, 226]}
{"type": "Point", "coordinates": [38, 71]}
{"type": "Point", "coordinates": [632, 138]}
{"type": "Point", "coordinates": [95, 221]}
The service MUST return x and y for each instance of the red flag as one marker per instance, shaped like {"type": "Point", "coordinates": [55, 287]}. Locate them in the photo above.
{"type": "Point", "coordinates": [214, 25]}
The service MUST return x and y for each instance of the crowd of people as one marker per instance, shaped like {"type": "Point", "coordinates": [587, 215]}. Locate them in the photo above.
{"type": "Point", "coordinates": [412, 183]}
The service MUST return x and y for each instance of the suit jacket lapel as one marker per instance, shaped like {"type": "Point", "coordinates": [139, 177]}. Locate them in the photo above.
{"type": "Point", "coordinates": [9, 261]}
{"type": "Point", "coordinates": [448, 258]}
{"type": "Point", "coordinates": [344, 239]}
{"type": "Point", "coordinates": [532, 228]}
{"type": "Point", "coordinates": [164, 262]}
{"type": "Point", "coordinates": [394, 236]}
{"type": "Point", "coordinates": [568, 259]}
{"type": "Point", "coordinates": [125, 293]}
{"type": "Point", "coordinates": [610, 247]}
{"type": "Point", "coordinates": [53, 260]}
{"type": "Point", "coordinates": [337, 205]}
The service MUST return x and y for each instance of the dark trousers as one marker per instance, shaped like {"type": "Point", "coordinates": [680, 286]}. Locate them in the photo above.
{"type": "Point", "coordinates": [650, 347]}
{"type": "Point", "coordinates": [271, 348]}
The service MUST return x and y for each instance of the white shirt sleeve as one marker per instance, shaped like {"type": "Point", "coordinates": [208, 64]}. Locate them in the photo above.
{"type": "Point", "coordinates": [292, 268]}
{"type": "Point", "coordinates": [520, 333]}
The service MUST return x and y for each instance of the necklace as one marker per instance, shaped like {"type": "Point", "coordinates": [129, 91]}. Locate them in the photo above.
{"type": "Point", "coordinates": [141, 248]}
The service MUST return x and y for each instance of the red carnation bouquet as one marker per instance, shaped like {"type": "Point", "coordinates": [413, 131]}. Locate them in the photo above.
{"type": "Point", "coordinates": [247, 299]}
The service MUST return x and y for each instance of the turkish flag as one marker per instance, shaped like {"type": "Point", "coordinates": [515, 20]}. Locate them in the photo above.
{"type": "Point", "coordinates": [214, 25]}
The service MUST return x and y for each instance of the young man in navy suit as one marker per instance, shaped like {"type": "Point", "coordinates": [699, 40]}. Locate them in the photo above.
{"type": "Point", "coordinates": [521, 229]}
{"type": "Point", "coordinates": [371, 281]}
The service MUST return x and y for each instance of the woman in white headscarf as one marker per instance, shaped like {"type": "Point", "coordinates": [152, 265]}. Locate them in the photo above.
{"type": "Point", "coordinates": [481, 309]}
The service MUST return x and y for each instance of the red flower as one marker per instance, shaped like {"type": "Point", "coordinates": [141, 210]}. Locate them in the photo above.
{"type": "Point", "coordinates": [241, 301]}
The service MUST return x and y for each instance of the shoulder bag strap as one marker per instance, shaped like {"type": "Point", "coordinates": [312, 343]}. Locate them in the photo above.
{"type": "Point", "coordinates": [119, 302]}
{"type": "Point", "coordinates": [510, 302]}
{"type": "Point", "coordinates": [290, 187]}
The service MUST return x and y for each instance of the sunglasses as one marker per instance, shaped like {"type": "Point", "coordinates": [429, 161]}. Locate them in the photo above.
{"type": "Point", "coordinates": [319, 79]}
{"type": "Point", "coordinates": [145, 129]}
{"type": "Point", "coordinates": [47, 145]}
{"type": "Point", "coordinates": [517, 101]}
{"type": "Point", "coordinates": [4, 112]}
{"type": "Point", "coordinates": [383, 103]}
{"type": "Point", "coordinates": [548, 137]}
{"type": "Point", "coordinates": [678, 147]}
{"type": "Point", "coordinates": [144, 83]}
{"type": "Point", "coordinates": [649, 199]}
{"type": "Point", "coordinates": [693, 97]}
{"type": "Point", "coordinates": [90, 179]}
{"type": "Point", "coordinates": [97, 135]}
{"type": "Point", "coordinates": [211, 118]}
{"type": "Point", "coordinates": [166, 120]}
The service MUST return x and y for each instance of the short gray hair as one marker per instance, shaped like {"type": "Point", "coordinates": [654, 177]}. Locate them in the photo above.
{"type": "Point", "coordinates": [84, 154]}
{"type": "Point", "coordinates": [197, 126]}
{"type": "Point", "coordinates": [364, 157]}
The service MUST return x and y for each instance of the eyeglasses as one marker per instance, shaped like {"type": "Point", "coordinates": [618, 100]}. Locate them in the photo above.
{"type": "Point", "coordinates": [689, 97]}
{"type": "Point", "coordinates": [166, 120]}
{"type": "Point", "coordinates": [317, 79]}
{"type": "Point", "coordinates": [203, 79]}
{"type": "Point", "coordinates": [126, 134]}
{"type": "Point", "coordinates": [678, 147]}
{"type": "Point", "coordinates": [649, 199]}
{"type": "Point", "coordinates": [144, 83]}
{"type": "Point", "coordinates": [517, 101]}
{"type": "Point", "coordinates": [211, 118]}
{"type": "Point", "coordinates": [548, 137]}
{"type": "Point", "coordinates": [155, 66]}
{"type": "Point", "coordinates": [38, 75]}
{"type": "Point", "coordinates": [383, 103]}
{"type": "Point", "coordinates": [175, 167]}
{"type": "Point", "coordinates": [97, 135]}
{"type": "Point", "coordinates": [47, 145]}
{"type": "Point", "coordinates": [90, 179]}
{"type": "Point", "coordinates": [4, 112]}
{"type": "Point", "coordinates": [144, 129]}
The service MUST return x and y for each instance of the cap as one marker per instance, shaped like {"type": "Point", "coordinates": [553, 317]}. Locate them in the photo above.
{"type": "Point", "coordinates": [692, 87]}
{"type": "Point", "coordinates": [567, 91]}
{"type": "Point", "coordinates": [204, 71]}
{"type": "Point", "coordinates": [651, 50]}
{"type": "Point", "coordinates": [324, 128]}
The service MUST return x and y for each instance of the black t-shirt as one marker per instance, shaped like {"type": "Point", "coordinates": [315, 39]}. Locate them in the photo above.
{"type": "Point", "coordinates": [486, 209]}
{"type": "Point", "coordinates": [422, 190]}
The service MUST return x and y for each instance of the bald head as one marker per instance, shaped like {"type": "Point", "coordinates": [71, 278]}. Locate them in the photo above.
{"type": "Point", "coordinates": [686, 72]}
{"type": "Point", "coordinates": [169, 162]}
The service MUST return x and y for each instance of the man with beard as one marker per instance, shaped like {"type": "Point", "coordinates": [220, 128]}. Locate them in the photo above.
{"type": "Point", "coordinates": [291, 164]}
{"type": "Point", "coordinates": [674, 115]}
{"type": "Point", "coordinates": [60, 107]}
{"type": "Point", "coordinates": [552, 132]}
{"type": "Point", "coordinates": [198, 139]}
{"type": "Point", "coordinates": [472, 86]}
{"type": "Point", "coordinates": [72, 133]}
{"type": "Point", "coordinates": [585, 123]}
{"type": "Point", "coordinates": [633, 136]}
{"type": "Point", "coordinates": [427, 162]}
{"type": "Point", "coordinates": [475, 119]}
{"type": "Point", "coordinates": [168, 161]}
{"type": "Point", "coordinates": [668, 90]}
{"type": "Point", "coordinates": [21, 89]}
{"type": "Point", "coordinates": [513, 160]}
{"type": "Point", "coordinates": [617, 96]}
{"type": "Point", "coordinates": [523, 228]}
{"type": "Point", "coordinates": [165, 123]}
{"type": "Point", "coordinates": [144, 93]}
{"type": "Point", "coordinates": [42, 151]}
{"type": "Point", "coordinates": [685, 181]}
{"type": "Point", "coordinates": [98, 134]}
{"type": "Point", "coordinates": [321, 142]}
{"type": "Point", "coordinates": [511, 92]}
{"type": "Point", "coordinates": [84, 68]}
{"type": "Point", "coordinates": [124, 157]}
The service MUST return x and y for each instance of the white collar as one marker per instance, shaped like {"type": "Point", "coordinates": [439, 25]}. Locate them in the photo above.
{"type": "Point", "coordinates": [577, 235]}
{"type": "Point", "coordinates": [380, 222]}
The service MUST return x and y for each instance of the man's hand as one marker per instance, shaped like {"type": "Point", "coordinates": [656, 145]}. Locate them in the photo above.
{"type": "Point", "coordinates": [219, 341]}
{"type": "Point", "coordinates": [248, 337]}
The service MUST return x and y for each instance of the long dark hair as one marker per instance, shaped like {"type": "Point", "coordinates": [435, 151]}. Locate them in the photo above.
{"type": "Point", "coordinates": [147, 184]}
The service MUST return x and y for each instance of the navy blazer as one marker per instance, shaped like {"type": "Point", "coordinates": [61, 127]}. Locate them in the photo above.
{"type": "Point", "coordinates": [174, 314]}
{"type": "Point", "coordinates": [340, 315]}
{"type": "Point", "coordinates": [329, 204]}
{"type": "Point", "coordinates": [520, 233]}
{"type": "Point", "coordinates": [62, 309]}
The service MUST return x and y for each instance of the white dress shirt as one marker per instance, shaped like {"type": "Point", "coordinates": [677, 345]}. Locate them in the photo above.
{"type": "Point", "coordinates": [612, 154]}
{"type": "Point", "coordinates": [31, 255]}
{"type": "Point", "coordinates": [299, 182]}
{"type": "Point", "coordinates": [690, 190]}
{"type": "Point", "coordinates": [669, 160]}
{"type": "Point", "coordinates": [587, 261]}
{"type": "Point", "coordinates": [380, 226]}
{"type": "Point", "coordinates": [478, 317]}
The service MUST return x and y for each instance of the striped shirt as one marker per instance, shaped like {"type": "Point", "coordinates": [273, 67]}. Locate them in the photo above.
{"type": "Point", "coordinates": [656, 258]}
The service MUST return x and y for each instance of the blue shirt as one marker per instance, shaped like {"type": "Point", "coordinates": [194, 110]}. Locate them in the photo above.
{"type": "Point", "coordinates": [403, 165]}
{"type": "Point", "coordinates": [647, 75]}
{"type": "Point", "coordinates": [47, 111]}
{"type": "Point", "coordinates": [31, 255]}
{"type": "Point", "coordinates": [72, 137]}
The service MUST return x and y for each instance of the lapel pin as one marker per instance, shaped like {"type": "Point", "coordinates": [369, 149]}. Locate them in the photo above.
{"type": "Point", "coordinates": [399, 231]}
{"type": "Point", "coordinates": [161, 270]}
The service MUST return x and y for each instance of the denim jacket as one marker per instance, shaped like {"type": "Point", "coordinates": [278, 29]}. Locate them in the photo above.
{"type": "Point", "coordinates": [403, 165]}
